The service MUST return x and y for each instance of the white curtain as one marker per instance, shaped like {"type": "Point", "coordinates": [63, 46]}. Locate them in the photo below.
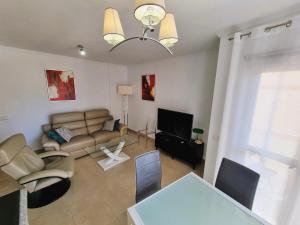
{"type": "Point", "coordinates": [261, 119]}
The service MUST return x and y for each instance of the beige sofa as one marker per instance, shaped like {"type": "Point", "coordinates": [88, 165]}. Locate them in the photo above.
{"type": "Point", "coordinates": [86, 128]}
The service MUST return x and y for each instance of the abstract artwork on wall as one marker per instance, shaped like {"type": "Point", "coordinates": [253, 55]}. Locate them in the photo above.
{"type": "Point", "coordinates": [60, 85]}
{"type": "Point", "coordinates": [148, 87]}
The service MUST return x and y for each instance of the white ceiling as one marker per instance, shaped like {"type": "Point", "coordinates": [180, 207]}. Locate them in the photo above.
{"type": "Point", "coordinates": [58, 26]}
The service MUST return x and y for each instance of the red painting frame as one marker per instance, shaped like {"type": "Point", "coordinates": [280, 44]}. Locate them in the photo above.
{"type": "Point", "coordinates": [60, 84]}
{"type": "Point", "coordinates": [148, 87]}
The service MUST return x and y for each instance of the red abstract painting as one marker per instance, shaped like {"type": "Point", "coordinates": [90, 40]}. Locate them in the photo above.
{"type": "Point", "coordinates": [60, 85]}
{"type": "Point", "coordinates": [148, 87]}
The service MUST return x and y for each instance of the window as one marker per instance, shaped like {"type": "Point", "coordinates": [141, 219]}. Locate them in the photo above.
{"type": "Point", "coordinates": [275, 127]}
{"type": "Point", "coordinates": [274, 139]}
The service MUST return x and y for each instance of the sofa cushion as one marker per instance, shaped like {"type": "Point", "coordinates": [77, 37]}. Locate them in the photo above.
{"type": "Point", "coordinates": [65, 133]}
{"type": "Point", "coordinates": [96, 113]}
{"type": "Point", "coordinates": [95, 119]}
{"type": "Point", "coordinates": [96, 124]}
{"type": "Point", "coordinates": [72, 121]}
{"type": "Point", "coordinates": [78, 142]}
{"type": "Point", "coordinates": [70, 125]}
{"type": "Point", "coordinates": [79, 131]}
{"type": "Point", "coordinates": [109, 125]}
{"type": "Point", "coordinates": [67, 117]}
{"type": "Point", "coordinates": [103, 136]}
{"type": "Point", "coordinates": [56, 137]}
{"type": "Point", "coordinates": [117, 125]}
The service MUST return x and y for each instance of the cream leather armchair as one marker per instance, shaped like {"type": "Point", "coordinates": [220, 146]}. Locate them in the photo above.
{"type": "Point", "coordinates": [45, 180]}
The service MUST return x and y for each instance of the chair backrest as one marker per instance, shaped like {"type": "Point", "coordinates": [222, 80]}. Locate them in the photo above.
{"type": "Point", "coordinates": [95, 119]}
{"type": "Point", "coordinates": [17, 159]}
{"type": "Point", "coordinates": [237, 181]}
{"type": "Point", "coordinates": [148, 174]}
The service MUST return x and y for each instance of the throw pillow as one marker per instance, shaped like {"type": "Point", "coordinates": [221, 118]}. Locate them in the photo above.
{"type": "Point", "coordinates": [116, 125]}
{"type": "Point", "coordinates": [55, 136]}
{"type": "Point", "coordinates": [109, 125]}
{"type": "Point", "coordinates": [64, 133]}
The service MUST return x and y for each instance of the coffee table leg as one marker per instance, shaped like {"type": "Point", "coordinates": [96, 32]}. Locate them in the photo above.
{"type": "Point", "coordinates": [114, 156]}
{"type": "Point", "coordinates": [119, 148]}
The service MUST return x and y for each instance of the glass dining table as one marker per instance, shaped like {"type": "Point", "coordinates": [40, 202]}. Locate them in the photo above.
{"type": "Point", "coordinates": [191, 201]}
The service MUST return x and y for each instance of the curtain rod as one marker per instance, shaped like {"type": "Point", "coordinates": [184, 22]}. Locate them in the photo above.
{"type": "Point", "coordinates": [286, 24]}
{"type": "Point", "coordinates": [267, 29]}
{"type": "Point", "coordinates": [241, 36]}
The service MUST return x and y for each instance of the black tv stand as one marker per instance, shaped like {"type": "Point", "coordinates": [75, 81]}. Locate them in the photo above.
{"type": "Point", "coordinates": [186, 150]}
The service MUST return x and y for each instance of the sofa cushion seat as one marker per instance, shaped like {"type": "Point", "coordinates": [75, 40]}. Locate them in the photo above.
{"type": "Point", "coordinates": [102, 136]}
{"type": "Point", "coordinates": [78, 142]}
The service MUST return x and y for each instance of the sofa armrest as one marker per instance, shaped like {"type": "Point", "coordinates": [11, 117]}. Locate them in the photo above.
{"type": "Point", "coordinates": [53, 154]}
{"type": "Point", "coordinates": [123, 129]}
{"type": "Point", "coordinates": [46, 127]}
{"type": "Point", "coordinates": [49, 144]}
{"type": "Point", "coordinates": [43, 174]}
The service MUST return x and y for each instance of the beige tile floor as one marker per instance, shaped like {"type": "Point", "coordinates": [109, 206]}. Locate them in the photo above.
{"type": "Point", "coordinates": [101, 198]}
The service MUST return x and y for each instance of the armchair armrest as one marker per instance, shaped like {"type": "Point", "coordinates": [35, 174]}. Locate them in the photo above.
{"type": "Point", "coordinates": [123, 129]}
{"type": "Point", "coordinates": [53, 154]}
{"type": "Point", "coordinates": [49, 144]}
{"type": "Point", "coordinates": [43, 174]}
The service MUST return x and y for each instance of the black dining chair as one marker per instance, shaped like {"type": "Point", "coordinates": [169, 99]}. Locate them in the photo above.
{"type": "Point", "coordinates": [237, 181]}
{"type": "Point", "coordinates": [148, 175]}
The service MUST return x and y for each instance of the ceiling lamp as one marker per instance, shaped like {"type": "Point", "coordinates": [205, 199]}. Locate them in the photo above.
{"type": "Point", "coordinates": [81, 50]}
{"type": "Point", "coordinates": [168, 32]}
{"type": "Point", "coordinates": [112, 29]}
{"type": "Point", "coordinates": [150, 13]}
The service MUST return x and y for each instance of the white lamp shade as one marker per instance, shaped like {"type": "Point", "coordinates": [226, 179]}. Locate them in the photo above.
{"type": "Point", "coordinates": [125, 90]}
{"type": "Point", "coordinates": [149, 12]}
{"type": "Point", "coordinates": [168, 33]}
{"type": "Point", "coordinates": [112, 29]}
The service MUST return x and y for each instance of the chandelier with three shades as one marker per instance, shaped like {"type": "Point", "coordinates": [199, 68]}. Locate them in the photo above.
{"type": "Point", "coordinates": [150, 13]}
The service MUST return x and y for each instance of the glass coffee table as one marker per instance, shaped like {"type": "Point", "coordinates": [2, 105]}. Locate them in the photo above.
{"type": "Point", "coordinates": [113, 150]}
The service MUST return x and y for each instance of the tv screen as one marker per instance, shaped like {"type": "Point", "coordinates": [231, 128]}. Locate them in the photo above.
{"type": "Point", "coordinates": [176, 123]}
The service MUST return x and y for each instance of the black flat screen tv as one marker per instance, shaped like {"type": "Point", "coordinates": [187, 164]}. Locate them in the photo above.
{"type": "Point", "coordinates": [176, 123]}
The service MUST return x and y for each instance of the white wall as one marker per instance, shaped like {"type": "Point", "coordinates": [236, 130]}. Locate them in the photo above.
{"type": "Point", "coordinates": [182, 83]}
{"type": "Point", "coordinates": [23, 90]}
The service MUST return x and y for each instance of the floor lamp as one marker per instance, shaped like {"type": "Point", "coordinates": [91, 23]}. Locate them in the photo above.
{"type": "Point", "coordinates": [125, 91]}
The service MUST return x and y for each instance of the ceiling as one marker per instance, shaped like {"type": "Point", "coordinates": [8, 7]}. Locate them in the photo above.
{"type": "Point", "coordinates": [58, 26]}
